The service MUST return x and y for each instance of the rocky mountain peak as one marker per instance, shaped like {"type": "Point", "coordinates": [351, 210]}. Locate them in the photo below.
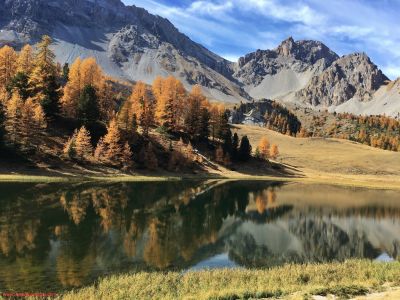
{"type": "Point", "coordinates": [286, 47]}
{"type": "Point", "coordinates": [351, 76]}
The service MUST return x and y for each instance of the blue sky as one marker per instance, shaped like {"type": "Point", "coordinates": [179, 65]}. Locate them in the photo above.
{"type": "Point", "coordinates": [236, 27]}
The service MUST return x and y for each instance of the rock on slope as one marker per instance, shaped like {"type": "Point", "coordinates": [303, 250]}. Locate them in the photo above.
{"type": "Point", "coordinates": [288, 68]}
{"type": "Point", "coordinates": [126, 40]}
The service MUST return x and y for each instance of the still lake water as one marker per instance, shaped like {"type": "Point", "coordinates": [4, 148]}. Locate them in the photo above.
{"type": "Point", "coordinates": [55, 237]}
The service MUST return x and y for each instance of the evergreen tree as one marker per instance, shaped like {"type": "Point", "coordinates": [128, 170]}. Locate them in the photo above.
{"type": "Point", "coordinates": [20, 84]}
{"type": "Point", "coordinates": [83, 144]}
{"type": "Point", "coordinates": [235, 145]}
{"type": "Point", "coordinates": [204, 130]}
{"type": "Point", "coordinates": [150, 158]}
{"type": "Point", "coordinates": [219, 155]}
{"type": "Point", "coordinates": [87, 110]}
{"type": "Point", "coordinates": [244, 149]}
{"type": "Point", "coordinates": [65, 72]}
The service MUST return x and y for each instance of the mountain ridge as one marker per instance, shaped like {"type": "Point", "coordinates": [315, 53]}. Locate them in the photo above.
{"type": "Point", "coordinates": [131, 43]}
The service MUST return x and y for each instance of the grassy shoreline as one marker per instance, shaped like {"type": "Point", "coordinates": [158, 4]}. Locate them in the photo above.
{"type": "Point", "coordinates": [373, 182]}
{"type": "Point", "coordinates": [294, 281]}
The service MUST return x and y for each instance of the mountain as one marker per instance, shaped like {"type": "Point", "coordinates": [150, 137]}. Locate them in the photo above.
{"type": "Point", "coordinates": [351, 76]}
{"type": "Point", "coordinates": [132, 44]}
{"type": "Point", "coordinates": [288, 68]}
{"type": "Point", "coordinates": [127, 41]}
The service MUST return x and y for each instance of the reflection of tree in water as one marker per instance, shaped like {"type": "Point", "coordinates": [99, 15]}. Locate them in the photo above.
{"type": "Point", "coordinates": [92, 229]}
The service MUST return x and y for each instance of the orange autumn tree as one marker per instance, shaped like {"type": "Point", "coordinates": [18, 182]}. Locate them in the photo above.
{"type": "Point", "coordinates": [25, 60]}
{"type": "Point", "coordinates": [140, 106]}
{"type": "Point", "coordinates": [112, 142]}
{"type": "Point", "coordinates": [274, 151]}
{"type": "Point", "coordinates": [8, 65]}
{"type": "Point", "coordinates": [264, 148]}
{"type": "Point", "coordinates": [86, 73]}
{"type": "Point", "coordinates": [83, 144]}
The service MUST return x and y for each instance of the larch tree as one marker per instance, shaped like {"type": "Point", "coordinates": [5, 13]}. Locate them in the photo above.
{"type": "Point", "coordinates": [83, 144]}
{"type": "Point", "coordinates": [43, 79]}
{"type": "Point", "coordinates": [100, 151]}
{"type": "Point", "coordinates": [27, 133]}
{"type": "Point", "coordinates": [69, 147]}
{"type": "Point", "coordinates": [13, 117]}
{"type": "Point", "coordinates": [20, 83]}
{"type": "Point", "coordinates": [264, 148]}
{"type": "Point", "coordinates": [72, 90]}
{"type": "Point", "coordinates": [141, 107]}
{"type": "Point", "coordinates": [126, 156]}
{"type": "Point", "coordinates": [2, 123]}
{"type": "Point", "coordinates": [274, 151]}
{"type": "Point", "coordinates": [25, 60]}
{"type": "Point", "coordinates": [8, 65]}
{"type": "Point", "coordinates": [157, 89]}
{"type": "Point", "coordinates": [112, 141]}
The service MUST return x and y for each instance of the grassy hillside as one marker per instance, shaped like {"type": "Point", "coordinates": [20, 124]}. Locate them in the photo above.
{"type": "Point", "coordinates": [330, 158]}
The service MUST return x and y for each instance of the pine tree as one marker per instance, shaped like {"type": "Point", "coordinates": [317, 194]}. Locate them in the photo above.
{"type": "Point", "coordinates": [43, 79]}
{"type": "Point", "coordinates": [87, 109]}
{"type": "Point", "coordinates": [8, 65]}
{"type": "Point", "coordinates": [83, 144]}
{"type": "Point", "coordinates": [112, 140]}
{"type": "Point", "coordinates": [264, 148]}
{"type": "Point", "coordinates": [65, 72]}
{"type": "Point", "coordinates": [235, 145]}
{"type": "Point", "coordinates": [244, 149]}
{"type": "Point", "coordinates": [274, 152]}
{"type": "Point", "coordinates": [19, 83]}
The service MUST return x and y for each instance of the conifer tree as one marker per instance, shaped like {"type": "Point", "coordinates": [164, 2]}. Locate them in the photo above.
{"type": "Point", "coordinates": [244, 149]}
{"type": "Point", "coordinates": [274, 152]}
{"type": "Point", "coordinates": [235, 145]}
{"type": "Point", "coordinates": [8, 65]}
{"type": "Point", "coordinates": [25, 60]}
{"type": "Point", "coordinates": [264, 148]}
{"type": "Point", "coordinates": [141, 107]}
{"type": "Point", "coordinates": [219, 155]}
{"type": "Point", "coordinates": [69, 148]}
{"type": "Point", "coordinates": [126, 156]}
{"type": "Point", "coordinates": [27, 123]}
{"type": "Point", "coordinates": [150, 158]}
{"type": "Point", "coordinates": [43, 79]}
{"type": "Point", "coordinates": [83, 144]}
{"type": "Point", "coordinates": [112, 140]}
{"type": "Point", "coordinates": [13, 117]}
{"type": "Point", "coordinates": [2, 123]}
{"type": "Point", "coordinates": [72, 90]}
{"type": "Point", "coordinates": [87, 109]}
{"type": "Point", "coordinates": [20, 83]}
{"type": "Point", "coordinates": [100, 151]}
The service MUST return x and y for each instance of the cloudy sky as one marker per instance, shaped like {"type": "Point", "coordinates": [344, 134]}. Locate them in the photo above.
{"type": "Point", "coordinates": [235, 27]}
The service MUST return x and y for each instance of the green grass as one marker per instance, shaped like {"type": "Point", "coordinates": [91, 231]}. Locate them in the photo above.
{"type": "Point", "coordinates": [352, 278]}
{"type": "Point", "coordinates": [31, 178]}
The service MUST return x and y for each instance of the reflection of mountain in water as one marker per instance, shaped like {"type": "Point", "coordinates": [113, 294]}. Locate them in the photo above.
{"type": "Point", "coordinates": [67, 235]}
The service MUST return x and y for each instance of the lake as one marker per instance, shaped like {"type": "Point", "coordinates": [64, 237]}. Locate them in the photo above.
{"type": "Point", "coordinates": [58, 236]}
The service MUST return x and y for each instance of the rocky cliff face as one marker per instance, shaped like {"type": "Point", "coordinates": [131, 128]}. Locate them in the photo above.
{"type": "Point", "coordinates": [352, 76]}
{"type": "Point", "coordinates": [273, 73]}
{"type": "Point", "coordinates": [126, 40]}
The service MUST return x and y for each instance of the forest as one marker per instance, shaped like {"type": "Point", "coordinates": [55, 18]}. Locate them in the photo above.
{"type": "Point", "coordinates": [78, 113]}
